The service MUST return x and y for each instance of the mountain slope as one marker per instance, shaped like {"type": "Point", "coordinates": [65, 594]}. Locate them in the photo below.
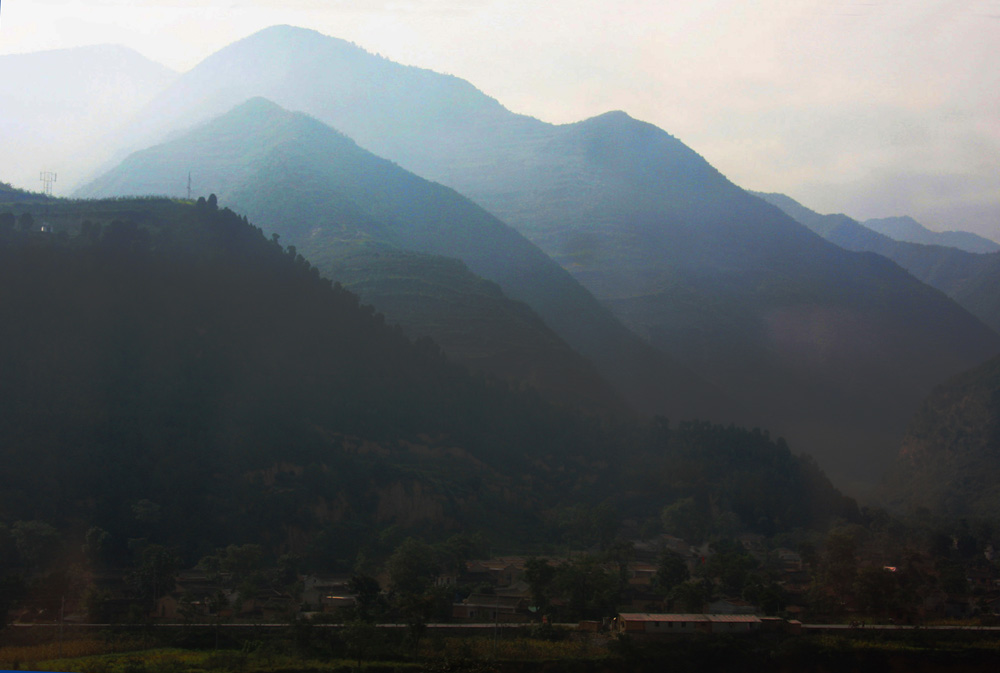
{"type": "Point", "coordinates": [171, 354]}
{"type": "Point", "coordinates": [830, 348]}
{"type": "Point", "coordinates": [827, 347]}
{"type": "Point", "coordinates": [171, 375]}
{"type": "Point", "coordinates": [972, 280]}
{"type": "Point", "coordinates": [949, 460]}
{"type": "Point", "coordinates": [323, 194]}
{"type": "Point", "coordinates": [909, 230]}
{"type": "Point", "coordinates": [471, 319]}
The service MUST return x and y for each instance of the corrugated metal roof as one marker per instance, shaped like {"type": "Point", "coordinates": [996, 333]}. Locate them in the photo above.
{"type": "Point", "coordinates": [654, 617]}
{"type": "Point", "coordinates": [743, 619]}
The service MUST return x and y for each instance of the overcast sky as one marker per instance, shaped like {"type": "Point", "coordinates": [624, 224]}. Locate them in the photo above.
{"type": "Point", "coordinates": [869, 108]}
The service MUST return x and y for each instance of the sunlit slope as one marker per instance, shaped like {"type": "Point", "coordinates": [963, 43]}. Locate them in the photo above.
{"type": "Point", "coordinates": [324, 194]}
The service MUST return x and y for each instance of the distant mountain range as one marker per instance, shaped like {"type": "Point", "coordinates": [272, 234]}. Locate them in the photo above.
{"type": "Point", "coordinates": [831, 348]}
{"type": "Point", "coordinates": [907, 229]}
{"type": "Point", "coordinates": [972, 280]}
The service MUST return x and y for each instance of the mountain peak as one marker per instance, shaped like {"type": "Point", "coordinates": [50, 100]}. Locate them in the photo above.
{"type": "Point", "coordinates": [614, 115]}
{"type": "Point", "coordinates": [259, 105]}
{"type": "Point", "coordinates": [284, 36]}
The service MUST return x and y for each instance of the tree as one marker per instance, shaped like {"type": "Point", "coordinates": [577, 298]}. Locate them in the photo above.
{"type": "Point", "coordinates": [692, 596]}
{"type": "Point", "coordinates": [361, 639]}
{"type": "Point", "coordinates": [730, 565]}
{"type": "Point", "coordinates": [96, 544]}
{"type": "Point", "coordinates": [685, 520]}
{"type": "Point", "coordinates": [589, 592]}
{"type": "Point", "coordinates": [7, 221]}
{"type": "Point", "coordinates": [36, 542]}
{"type": "Point", "coordinates": [671, 570]}
{"type": "Point", "coordinates": [539, 574]}
{"type": "Point", "coordinates": [26, 221]}
{"type": "Point", "coordinates": [411, 568]}
{"type": "Point", "coordinates": [155, 571]}
{"type": "Point", "coordinates": [840, 563]}
{"type": "Point", "coordinates": [368, 605]}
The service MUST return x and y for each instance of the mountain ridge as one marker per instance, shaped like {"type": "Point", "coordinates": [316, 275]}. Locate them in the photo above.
{"type": "Point", "coordinates": [971, 279]}
{"type": "Point", "coordinates": [320, 188]}
{"type": "Point", "coordinates": [828, 348]}
{"type": "Point", "coordinates": [905, 228]}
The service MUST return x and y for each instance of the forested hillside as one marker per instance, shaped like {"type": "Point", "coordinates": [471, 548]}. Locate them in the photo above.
{"type": "Point", "coordinates": [173, 375]}
{"type": "Point", "coordinates": [949, 461]}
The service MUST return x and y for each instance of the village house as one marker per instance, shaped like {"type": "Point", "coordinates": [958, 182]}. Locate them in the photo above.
{"type": "Point", "coordinates": [500, 572]}
{"type": "Point", "coordinates": [645, 623]}
{"type": "Point", "coordinates": [491, 608]}
{"type": "Point", "coordinates": [327, 593]}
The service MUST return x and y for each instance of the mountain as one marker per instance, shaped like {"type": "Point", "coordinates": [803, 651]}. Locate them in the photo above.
{"type": "Point", "coordinates": [54, 104]}
{"type": "Point", "coordinates": [829, 348]}
{"type": "Point", "coordinates": [323, 194]}
{"type": "Point", "coordinates": [949, 460]}
{"type": "Point", "coordinates": [172, 354]}
{"type": "Point", "coordinates": [971, 279]}
{"type": "Point", "coordinates": [907, 229]}
{"type": "Point", "coordinates": [472, 320]}
{"type": "Point", "coordinates": [172, 376]}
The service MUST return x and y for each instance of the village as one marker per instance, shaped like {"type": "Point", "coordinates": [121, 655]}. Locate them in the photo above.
{"type": "Point", "coordinates": [664, 585]}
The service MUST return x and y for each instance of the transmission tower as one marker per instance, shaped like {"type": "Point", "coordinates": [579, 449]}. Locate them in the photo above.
{"type": "Point", "coordinates": [47, 178]}
{"type": "Point", "coordinates": [189, 185]}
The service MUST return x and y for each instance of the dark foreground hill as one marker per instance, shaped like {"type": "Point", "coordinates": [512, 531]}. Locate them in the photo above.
{"type": "Point", "coordinates": [327, 196]}
{"type": "Point", "coordinates": [949, 461]}
{"type": "Point", "coordinates": [831, 348]}
{"type": "Point", "coordinates": [170, 374]}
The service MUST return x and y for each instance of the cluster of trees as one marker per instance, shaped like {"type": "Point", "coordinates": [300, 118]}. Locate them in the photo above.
{"type": "Point", "coordinates": [9, 222]}
{"type": "Point", "coordinates": [720, 480]}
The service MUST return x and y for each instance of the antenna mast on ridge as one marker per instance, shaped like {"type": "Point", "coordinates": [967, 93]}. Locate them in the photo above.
{"type": "Point", "coordinates": [189, 185]}
{"type": "Point", "coordinates": [47, 178]}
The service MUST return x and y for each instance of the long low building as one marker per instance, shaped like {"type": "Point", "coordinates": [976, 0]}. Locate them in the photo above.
{"type": "Point", "coordinates": [666, 624]}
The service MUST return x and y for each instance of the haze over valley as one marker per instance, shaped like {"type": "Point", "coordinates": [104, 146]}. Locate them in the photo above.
{"type": "Point", "coordinates": [296, 310]}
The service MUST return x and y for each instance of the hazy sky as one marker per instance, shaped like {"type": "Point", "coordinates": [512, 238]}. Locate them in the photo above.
{"type": "Point", "coordinates": [870, 108]}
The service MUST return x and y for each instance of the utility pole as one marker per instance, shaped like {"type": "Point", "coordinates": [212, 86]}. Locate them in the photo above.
{"type": "Point", "coordinates": [47, 178]}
